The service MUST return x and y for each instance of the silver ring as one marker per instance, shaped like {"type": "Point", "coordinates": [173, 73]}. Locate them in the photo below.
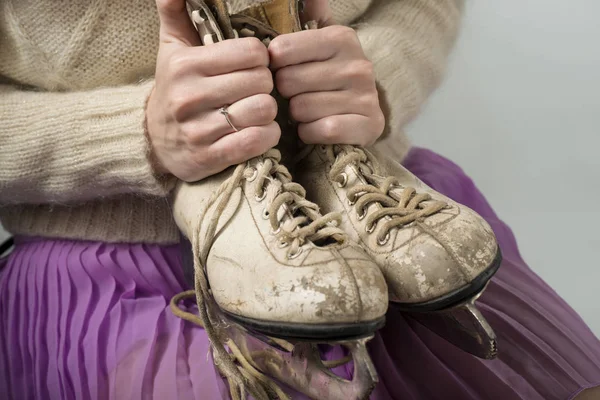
{"type": "Point", "coordinates": [225, 112]}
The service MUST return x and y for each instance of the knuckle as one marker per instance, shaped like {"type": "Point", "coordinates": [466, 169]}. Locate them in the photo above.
{"type": "Point", "coordinates": [267, 108]}
{"type": "Point", "coordinates": [343, 34]}
{"type": "Point", "coordinates": [207, 163]}
{"type": "Point", "coordinates": [379, 122]}
{"type": "Point", "coordinates": [277, 47]}
{"type": "Point", "coordinates": [168, 5]}
{"type": "Point", "coordinates": [219, 157]}
{"type": "Point", "coordinates": [284, 82]}
{"type": "Point", "coordinates": [179, 64]}
{"type": "Point", "coordinates": [362, 69]}
{"type": "Point", "coordinates": [178, 103]}
{"type": "Point", "coordinates": [270, 136]}
{"type": "Point", "coordinates": [368, 101]}
{"type": "Point", "coordinates": [264, 79]}
{"type": "Point", "coordinates": [298, 108]}
{"type": "Point", "coordinates": [255, 51]}
{"type": "Point", "coordinates": [190, 134]}
{"type": "Point", "coordinates": [274, 134]}
{"type": "Point", "coordinates": [332, 129]}
{"type": "Point", "coordinates": [250, 143]}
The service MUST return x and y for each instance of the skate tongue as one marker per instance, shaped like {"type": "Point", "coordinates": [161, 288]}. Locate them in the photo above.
{"type": "Point", "coordinates": [263, 19]}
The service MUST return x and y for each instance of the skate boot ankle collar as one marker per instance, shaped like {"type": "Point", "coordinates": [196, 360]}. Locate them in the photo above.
{"type": "Point", "coordinates": [217, 19]}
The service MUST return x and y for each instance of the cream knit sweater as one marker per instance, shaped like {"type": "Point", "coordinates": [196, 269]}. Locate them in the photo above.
{"type": "Point", "coordinates": [74, 78]}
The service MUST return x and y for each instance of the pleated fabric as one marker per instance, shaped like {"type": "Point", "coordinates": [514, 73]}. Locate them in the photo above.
{"type": "Point", "coordinates": [89, 320]}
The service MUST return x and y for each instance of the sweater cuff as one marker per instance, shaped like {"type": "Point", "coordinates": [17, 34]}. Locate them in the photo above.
{"type": "Point", "coordinates": [122, 141]}
{"type": "Point", "coordinates": [76, 146]}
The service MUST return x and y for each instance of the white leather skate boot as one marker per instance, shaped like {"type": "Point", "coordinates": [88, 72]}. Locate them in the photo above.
{"type": "Point", "coordinates": [437, 255]}
{"type": "Point", "coordinates": [268, 265]}
{"type": "Point", "coordinates": [273, 262]}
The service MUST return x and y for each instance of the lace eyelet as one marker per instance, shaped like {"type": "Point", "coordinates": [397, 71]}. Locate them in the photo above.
{"type": "Point", "coordinates": [261, 197]}
{"type": "Point", "coordinates": [383, 241]}
{"type": "Point", "coordinates": [265, 214]}
{"type": "Point", "coordinates": [370, 228]}
{"type": "Point", "coordinates": [275, 231]}
{"type": "Point", "coordinates": [254, 175]}
{"type": "Point", "coordinates": [282, 244]}
{"type": "Point", "coordinates": [351, 202]}
{"type": "Point", "coordinates": [296, 254]}
{"type": "Point", "coordinates": [344, 180]}
{"type": "Point", "coordinates": [323, 148]}
{"type": "Point", "coordinates": [362, 215]}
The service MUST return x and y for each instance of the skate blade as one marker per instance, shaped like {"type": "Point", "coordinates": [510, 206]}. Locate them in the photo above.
{"type": "Point", "coordinates": [294, 363]}
{"type": "Point", "coordinates": [464, 326]}
{"type": "Point", "coordinates": [299, 366]}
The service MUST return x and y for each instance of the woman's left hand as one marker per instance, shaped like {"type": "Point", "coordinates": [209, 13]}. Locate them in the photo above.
{"type": "Point", "coordinates": [329, 81]}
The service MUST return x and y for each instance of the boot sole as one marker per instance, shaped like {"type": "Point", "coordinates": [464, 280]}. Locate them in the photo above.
{"type": "Point", "coordinates": [456, 297]}
{"type": "Point", "coordinates": [309, 332]}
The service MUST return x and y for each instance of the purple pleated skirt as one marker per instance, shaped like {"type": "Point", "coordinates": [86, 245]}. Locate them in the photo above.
{"type": "Point", "coordinates": [87, 320]}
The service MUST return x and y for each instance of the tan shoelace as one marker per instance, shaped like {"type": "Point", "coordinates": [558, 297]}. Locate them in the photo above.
{"type": "Point", "coordinates": [300, 222]}
{"type": "Point", "coordinates": [274, 185]}
{"type": "Point", "coordinates": [400, 205]}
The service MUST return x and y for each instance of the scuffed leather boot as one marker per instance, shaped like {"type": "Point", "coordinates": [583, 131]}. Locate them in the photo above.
{"type": "Point", "coordinates": [436, 254]}
{"type": "Point", "coordinates": [273, 263]}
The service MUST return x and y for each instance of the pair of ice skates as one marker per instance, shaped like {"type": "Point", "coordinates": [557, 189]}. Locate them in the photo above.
{"type": "Point", "coordinates": [274, 276]}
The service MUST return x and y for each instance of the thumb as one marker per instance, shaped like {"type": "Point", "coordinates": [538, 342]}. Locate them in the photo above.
{"type": "Point", "coordinates": [175, 24]}
{"type": "Point", "coordinates": [319, 11]}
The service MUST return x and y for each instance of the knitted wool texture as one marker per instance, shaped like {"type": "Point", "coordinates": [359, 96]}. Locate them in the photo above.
{"type": "Point", "coordinates": [74, 80]}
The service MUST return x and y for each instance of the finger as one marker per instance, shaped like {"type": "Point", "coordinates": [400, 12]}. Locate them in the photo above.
{"type": "Point", "coordinates": [325, 76]}
{"type": "Point", "coordinates": [175, 25]}
{"type": "Point", "coordinates": [195, 95]}
{"type": "Point", "coordinates": [258, 110]}
{"type": "Point", "coordinates": [309, 107]}
{"type": "Point", "coordinates": [313, 45]}
{"type": "Point", "coordinates": [221, 58]}
{"type": "Point", "coordinates": [241, 146]}
{"type": "Point", "coordinates": [319, 11]}
{"type": "Point", "coordinates": [340, 129]}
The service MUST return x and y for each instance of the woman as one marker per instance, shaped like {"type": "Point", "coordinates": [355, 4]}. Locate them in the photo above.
{"type": "Point", "coordinates": [90, 151]}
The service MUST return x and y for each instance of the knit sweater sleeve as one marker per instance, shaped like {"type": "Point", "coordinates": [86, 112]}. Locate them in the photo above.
{"type": "Point", "coordinates": [74, 146]}
{"type": "Point", "coordinates": [408, 42]}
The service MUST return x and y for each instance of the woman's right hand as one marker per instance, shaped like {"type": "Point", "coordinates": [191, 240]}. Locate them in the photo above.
{"type": "Point", "coordinates": [190, 138]}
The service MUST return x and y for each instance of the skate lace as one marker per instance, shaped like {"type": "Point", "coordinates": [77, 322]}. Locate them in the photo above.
{"type": "Point", "coordinates": [294, 219]}
{"type": "Point", "coordinates": [399, 205]}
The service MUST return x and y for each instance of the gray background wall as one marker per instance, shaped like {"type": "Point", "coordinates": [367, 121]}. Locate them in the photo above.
{"type": "Point", "coordinates": [520, 112]}
{"type": "Point", "coordinates": [522, 95]}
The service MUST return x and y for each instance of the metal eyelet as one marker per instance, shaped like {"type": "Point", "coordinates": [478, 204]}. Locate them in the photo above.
{"type": "Point", "coordinates": [283, 244]}
{"type": "Point", "coordinates": [261, 197]}
{"type": "Point", "coordinates": [362, 215]}
{"type": "Point", "coordinates": [370, 228]}
{"type": "Point", "coordinates": [344, 180]}
{"type": "Point", "coordinates": [265, 214]}
{"type": "Point", "coordinates": [383, 241]}
{"type": "Point", "coordinates": [323, 148]}
{"type": "Point", "coordinates": [296, 254]}
{"type": "Point", "coordinates": [254, 175]}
